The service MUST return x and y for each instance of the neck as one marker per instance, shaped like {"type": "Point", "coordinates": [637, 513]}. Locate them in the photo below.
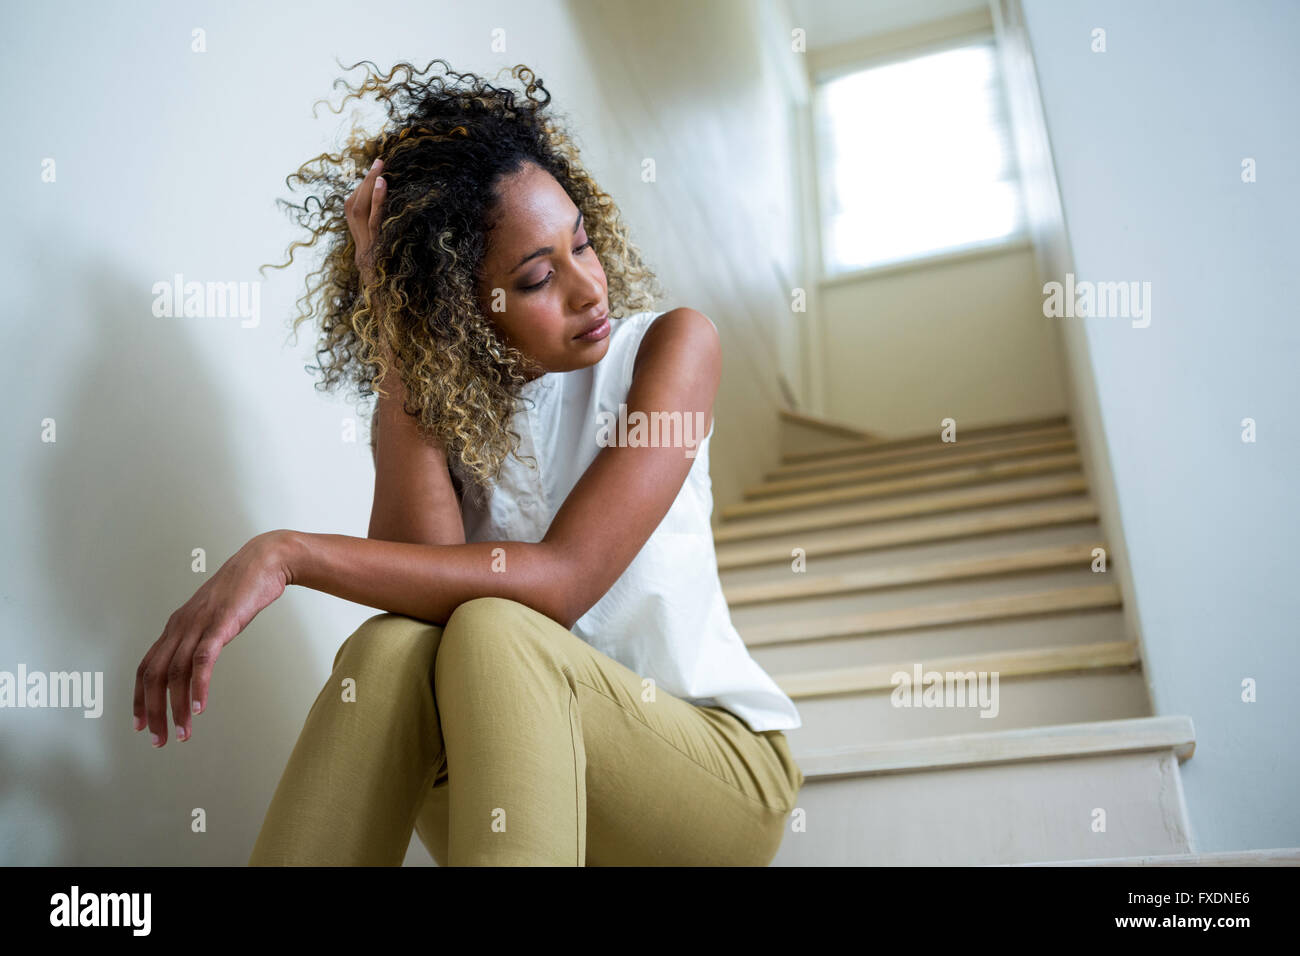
{"type": "Point", "coordinates": [533, 373]}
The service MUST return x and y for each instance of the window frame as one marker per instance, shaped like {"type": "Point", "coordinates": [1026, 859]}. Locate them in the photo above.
{"type": "Point", "coordinates": [1018, 239]}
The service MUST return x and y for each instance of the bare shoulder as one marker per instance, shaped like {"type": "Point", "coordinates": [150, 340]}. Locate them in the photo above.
{"type": "Point", "coordinates": [685, 338]}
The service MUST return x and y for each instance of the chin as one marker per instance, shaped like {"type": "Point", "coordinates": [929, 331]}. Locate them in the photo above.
{"type": "Point", "coordinates": [600, 350]}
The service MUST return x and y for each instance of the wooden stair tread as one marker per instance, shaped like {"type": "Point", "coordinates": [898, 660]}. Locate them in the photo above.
{"type": "Point", "coordinates": [1031, 662]}
{"type": "Point", "coordinates": [948, 478]}
{"type": "Point", "coordinates": [911, 531]}
{"type": "Point", "coordinates": [973, 496]}
{"type": "Point", "coordinates": [802, 587]}
{"type": "Point", "coordinates": [857, 473]}
{"type": "Point", "coordinates": [922, 454]}
{"type": "Point", "coordinates": [919, 442]}
{"type": "Point", "coordinates": [867, 623]}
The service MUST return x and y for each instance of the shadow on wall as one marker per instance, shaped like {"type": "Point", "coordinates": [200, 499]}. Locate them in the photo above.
{"type": "Point", "coordinates": [142, 472]}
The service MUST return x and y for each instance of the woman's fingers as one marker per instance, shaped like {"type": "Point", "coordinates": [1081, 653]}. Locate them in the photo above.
{"type": "Point", "coordinates": [361, 195]}
{"type": "Point", "coordinates": [178, 666]}
{"type": "Point", "coordinates": [376, 206]}
{"type": "Point", "coordinates": [205, 658]}
{"type": "Point", "coordinates": [363, 210]}
{"type": "Point", "coordinates": [139, 708]}
{"type": "Point", "coordinates": [357, 205]}
{"type": "Point", "coordinates": [178, 683]}
{"type": "Point", "coordinates": [180, 662]}
{"type": "Point", "coordinates": [155, 674]}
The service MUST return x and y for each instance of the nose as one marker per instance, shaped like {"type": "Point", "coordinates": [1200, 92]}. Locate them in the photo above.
{"type": "Point", "coordinates": [589, 291]}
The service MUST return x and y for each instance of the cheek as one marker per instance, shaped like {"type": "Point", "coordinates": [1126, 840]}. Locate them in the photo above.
{"type": "Point", "coordinates": [532, 324]}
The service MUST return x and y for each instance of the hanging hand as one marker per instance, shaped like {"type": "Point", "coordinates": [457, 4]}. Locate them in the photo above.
{"type": "Point", "coordinates": [181, 660]}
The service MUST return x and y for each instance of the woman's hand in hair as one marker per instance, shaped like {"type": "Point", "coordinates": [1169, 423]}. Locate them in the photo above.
{"type": "Point", "coordinates": [364, 209]}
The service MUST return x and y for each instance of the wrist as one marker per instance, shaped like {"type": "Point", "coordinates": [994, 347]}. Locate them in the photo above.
{"type": "Point", "coordinates": [285, 550]}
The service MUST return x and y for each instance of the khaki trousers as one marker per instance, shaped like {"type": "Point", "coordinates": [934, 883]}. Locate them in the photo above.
{"type": "Point", "coordinates": [502, 739]}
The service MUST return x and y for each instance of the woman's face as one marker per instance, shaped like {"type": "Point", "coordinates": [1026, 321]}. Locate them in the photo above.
{"type": "Point", "coordinates": [541, 283]}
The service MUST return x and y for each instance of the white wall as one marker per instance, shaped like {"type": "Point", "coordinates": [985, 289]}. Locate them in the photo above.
{"type": "Point", "coordinates": [962, 338]}
{"type": "Point", "coordinates": [706, 91]}
{"type": "Point", "coordinates": [182, 433]}
{"type": "Point", "coordinates": [900, 348]}
{"type": "Point", "coordinates": [1148, 139]}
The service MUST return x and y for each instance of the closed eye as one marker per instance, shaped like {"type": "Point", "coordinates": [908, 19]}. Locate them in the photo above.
{"type": "Point", "coordinates": [578, 251]}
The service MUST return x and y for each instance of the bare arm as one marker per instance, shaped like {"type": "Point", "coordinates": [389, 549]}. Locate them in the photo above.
{"type": "Point", "coordinates": [414, 497]}
{"type": "Point", "coordinates": [607, 518]}
{"type": "Point", "coordinates": [612, 510]}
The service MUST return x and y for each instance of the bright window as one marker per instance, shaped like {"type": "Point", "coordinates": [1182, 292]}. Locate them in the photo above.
{"type": "Point", "coordinates": [916, 158]}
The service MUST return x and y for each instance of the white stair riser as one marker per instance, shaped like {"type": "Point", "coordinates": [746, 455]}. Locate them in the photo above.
{"type": "Point", "coordinates": [876, 487]}
{"type": "Point", "coordinates": [851, 473]}
{"type": "Point", "coordinates": [980, 546]}
{"type": "Point", "coordinates": [820, 544]}
{"type": "Point", "coordinates": [834, 449]}
{"type": "Point", "coordinates": [851, 719]}
{"type": "Point", "coordinates": [808, 610]}
{"type": "Point", "coordinates": [990, 814]}
{"type": "Point", "coordinates": [1026, 486]}
{"type": "Point", "coordinates": [801, 440]}
{"type": "Point", "coordinates": [926, 643]}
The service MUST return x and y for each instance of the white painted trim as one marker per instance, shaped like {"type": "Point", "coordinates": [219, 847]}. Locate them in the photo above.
{"type": "Point", "coordinates": [1017, 242]}
{"type": "Point", "coordinates": [1049, 228]}
{"type": "Point", "coordinates": [827, 63]}
{"type": "Point", "coordinates": [816, 365]}
{"type": "Point", "coordinates": [1007, 746]}
{"type": "Point", "coordinates": [827, 426]}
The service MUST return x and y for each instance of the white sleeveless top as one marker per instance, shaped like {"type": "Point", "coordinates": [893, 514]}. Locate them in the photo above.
{"type": "Point", "coordinates": [665, 617]}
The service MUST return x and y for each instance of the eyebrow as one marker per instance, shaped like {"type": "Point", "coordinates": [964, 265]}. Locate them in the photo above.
{"type": "Point", "coordinates": [545, 250]}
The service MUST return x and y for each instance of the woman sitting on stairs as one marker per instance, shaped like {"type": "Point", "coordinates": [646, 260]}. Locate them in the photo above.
{"type": "Point", "coordinates": [556, 679]}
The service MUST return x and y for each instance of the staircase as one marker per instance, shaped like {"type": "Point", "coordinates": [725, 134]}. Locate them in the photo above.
{"type": "Point", "coordinates": [975, 556]}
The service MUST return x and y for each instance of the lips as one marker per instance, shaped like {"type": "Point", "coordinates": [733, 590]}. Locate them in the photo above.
{"type": "Point", "coordinates": [593, 326]}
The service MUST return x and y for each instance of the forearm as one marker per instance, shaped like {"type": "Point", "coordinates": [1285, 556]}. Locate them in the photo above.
{"type": "Point", "coordinates": [427, 581]}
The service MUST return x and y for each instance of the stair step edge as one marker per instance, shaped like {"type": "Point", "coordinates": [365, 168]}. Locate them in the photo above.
{"type": "Point", "coordinates": [1054, 741]}
{"type": "Point", "coordinates": [1277, 856]}
{"type": "Point", "coordinates": [1017, 663]}
{"type": "Point", "coordinates": [1053, 602]}
{"type": "Point", "coordinates": [919, 438]}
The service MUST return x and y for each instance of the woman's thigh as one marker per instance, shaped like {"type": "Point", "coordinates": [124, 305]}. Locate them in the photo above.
{"type": "Point", "coordinates": [668, 782]}
{"type": "Point", "coordinates": [680, 785]}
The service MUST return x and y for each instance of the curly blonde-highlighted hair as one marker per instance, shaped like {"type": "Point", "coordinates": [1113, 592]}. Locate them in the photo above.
{"type": "Point", "coordinates": [448, 141]}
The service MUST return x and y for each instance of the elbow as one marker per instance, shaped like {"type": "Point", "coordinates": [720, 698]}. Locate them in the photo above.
{"type": "Point", "coordinates": [563, 596]}
{"type": "Point", "coordinates": [566, 611]}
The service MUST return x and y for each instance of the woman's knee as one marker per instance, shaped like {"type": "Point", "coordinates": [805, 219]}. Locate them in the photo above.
{"type": "Point", "coordinates": [498, 631]}
{"type": "Point", "coordinates": [484, 619]}
{"type": "Point", "coordinates": [390, 644]}
{"type": "Point", "coordinates": [484, 612]}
